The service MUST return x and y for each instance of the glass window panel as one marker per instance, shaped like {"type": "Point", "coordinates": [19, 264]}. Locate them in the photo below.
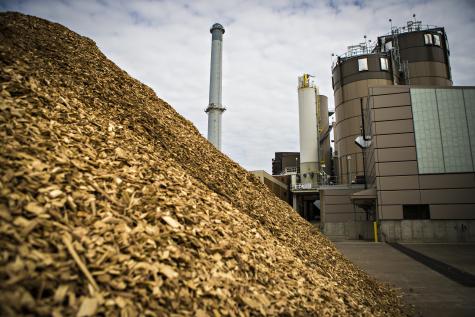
{"type": "Point", "coordinates": [428, 39]}
{"type": "Point", "coordinates": [453, 124]}
{"type": "Point", "coordinates": [427, 131]}
{"type": "Point", "coordinates": [469, 98]}
{"type": "Point", "coordinates": [384, 63]}
{"type": "Point", "coordinates": [362, 64]}
{"type": "Point", "coordinates": [388, 46]}
{"type": "Point", "coordinates": [437, 39]}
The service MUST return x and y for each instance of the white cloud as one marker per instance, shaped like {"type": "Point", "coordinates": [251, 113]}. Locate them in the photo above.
{"type": "Point", "coordinates": [267, 44]}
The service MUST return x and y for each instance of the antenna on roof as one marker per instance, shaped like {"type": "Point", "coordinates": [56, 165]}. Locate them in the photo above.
{"type": "Point", "coordinates": [414, 16]}
{"type": "Point", "coordinates": [391, 23]}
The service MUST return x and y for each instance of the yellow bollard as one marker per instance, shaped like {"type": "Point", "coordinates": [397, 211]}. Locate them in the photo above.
{"type": "Point", "coordinates": [375, 230]}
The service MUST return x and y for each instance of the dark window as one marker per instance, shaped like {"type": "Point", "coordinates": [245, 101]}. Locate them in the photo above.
{"type": "Point", "coordinates": [413, 212]}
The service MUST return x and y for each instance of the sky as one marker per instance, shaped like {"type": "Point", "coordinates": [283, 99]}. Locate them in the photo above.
{"type": "Point", "coordinates": [266, 46]}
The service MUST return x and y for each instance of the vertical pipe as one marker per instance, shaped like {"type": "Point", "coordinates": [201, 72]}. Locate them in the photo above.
{"type": "Point", "coordinates": [375, 231]}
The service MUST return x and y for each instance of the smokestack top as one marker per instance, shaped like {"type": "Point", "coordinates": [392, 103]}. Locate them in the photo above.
{"type": "Point", "coordinates": [217, 26]}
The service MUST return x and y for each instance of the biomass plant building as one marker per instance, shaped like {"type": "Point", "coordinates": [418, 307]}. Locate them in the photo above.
{"type": "Point", "coordinates": [404, 142]}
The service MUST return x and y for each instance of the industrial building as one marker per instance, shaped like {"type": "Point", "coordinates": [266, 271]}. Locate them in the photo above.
{"type": "Point", "coordinates": [304, 171]}
{"type": "Point", "coordinates": [404, 142]}
{"type": "Point", "coordinates": [284, 161]}
{"type": "Point", "coordinates": [279, 188]}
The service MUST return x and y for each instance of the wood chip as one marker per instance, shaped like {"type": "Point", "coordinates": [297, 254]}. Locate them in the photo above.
{"type": "Point", "coordinates": [112, 204]}
{"type": "Point", "coordinates": [88, 307]}
{"type": "Point", "coordinates": [172, 222]}
{"type": "Point", "coordinates": [35, 208]}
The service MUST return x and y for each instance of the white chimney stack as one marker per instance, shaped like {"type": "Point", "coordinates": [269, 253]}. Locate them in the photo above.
{"type": "Point", "coordinates": [215, 108]}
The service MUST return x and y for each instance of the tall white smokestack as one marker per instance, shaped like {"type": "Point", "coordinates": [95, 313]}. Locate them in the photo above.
{"type": "Point", "coordinates": [307, 91]}
{"type": "Point", "coordinates": [215, 108]}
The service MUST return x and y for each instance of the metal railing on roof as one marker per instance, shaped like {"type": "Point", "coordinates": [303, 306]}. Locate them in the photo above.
{"type": "Point", "coordinates": [411, 26]}
{"type": "Point", "coordinates": [364, 48]}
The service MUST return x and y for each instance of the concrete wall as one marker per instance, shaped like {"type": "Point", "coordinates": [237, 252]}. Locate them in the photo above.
{"type": "Point", "coordinates": [340, 218]}
{"type": "Point", "coordinates": [277, 187]}
{"type": "Point", "coordinates": [428, 230]}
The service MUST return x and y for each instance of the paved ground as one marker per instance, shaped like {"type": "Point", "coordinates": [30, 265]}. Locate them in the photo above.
{"type": "Point", "coordinates": [432, 293]}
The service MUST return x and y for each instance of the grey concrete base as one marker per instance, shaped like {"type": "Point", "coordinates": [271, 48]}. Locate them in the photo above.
{"type": "Point", "coordinates": [353, 230]}
{"type": "Point", "coordinates": [428, 230]}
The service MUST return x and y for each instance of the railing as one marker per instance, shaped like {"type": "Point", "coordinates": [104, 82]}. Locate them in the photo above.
{"type": "Point", "coordinates": [412, 26]}
{"type": "Point", "coordinates": [321, 180]}
{"type": "Point", "coordinates": [290, 171]}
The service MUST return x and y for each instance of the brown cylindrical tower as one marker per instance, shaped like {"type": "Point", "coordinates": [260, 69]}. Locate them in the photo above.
{"type": "Point", "coordinates": [415, 54]}
{"type": "Point", "coordinates": [352, 75]}
{"type": "Point", "coordinates": [422, 52]}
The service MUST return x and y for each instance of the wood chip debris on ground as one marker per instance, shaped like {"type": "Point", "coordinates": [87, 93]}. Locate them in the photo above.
{"type": "Point", "coordinates": [111, 203]}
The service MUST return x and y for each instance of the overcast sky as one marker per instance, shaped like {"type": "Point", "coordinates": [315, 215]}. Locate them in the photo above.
{"type": "Point", "coordinates": [267, 45]}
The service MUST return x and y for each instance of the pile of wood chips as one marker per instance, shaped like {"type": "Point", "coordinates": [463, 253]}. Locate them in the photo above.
{"type": "Point", "coordinates": [111, 203]}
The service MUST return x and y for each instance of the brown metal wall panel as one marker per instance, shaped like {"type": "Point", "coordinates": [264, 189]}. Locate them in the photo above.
{"type": "Point", "coordinates": [396, 168]}
{"type": "Point", "coordinates": [423, 53]}
{"type": "Point", "coordinates": [357, 89]}
{"type": "Point", "coordinates": [349, 71]}
{"type": "Point", "coordinates": [334, 200]}
{"type": "Point", "coordinates": [391, 212]}
{"type": "Point", "coordinates": [348, 127]}
{"type": "Point", "coordinates": [448, 196]}
{"type": "Point", "coordinates": [428, 69]}
{"type": "Point", "coordinates": [400, 197]}
{"type": "Point", "coordinates": [340, 192]}
{"type": "Point", "coordinates": [347, 110]}
{"type": "Point", "coordinates": [324, 121]}
{"type": "Point", "coordinates": [447, 181]}
{"type": "Point", "coordinates": [430, 81]}
{"type": "Point", "coordinates": [337, 96]}
{"type": "Point", "coordinates": [395, 140]}
{"type": "Point", "coordinates": [347, 146]}
{"type": "Point", "coordinates": [367, 75]}
{"type": "Point", "coordinates": [396, 154]}
{"type": "Point", "coordinates": [393, 100]}
{"type": "Point", "coordinates": [411, 39]}
{"type": "Point", "coordinates": [397, 126]}
{"type": "Point", "coordinates": [394, 113]}
{"type": "Point", "coordinates": [385, 90]}
{"type": "Point", "coordinates": [452, 211]}
{"type": "Point", "coordinates": [398, 182]}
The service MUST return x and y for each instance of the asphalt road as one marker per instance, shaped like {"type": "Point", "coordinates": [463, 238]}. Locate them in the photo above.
{"type": "Point", "coordinates": [432, 293]}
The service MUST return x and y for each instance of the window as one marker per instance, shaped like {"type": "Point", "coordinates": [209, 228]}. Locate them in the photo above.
{"type": "Point", "coordinates": [415, 212]}
{"type": "Point", "coordinates": [428, 39]}
{"type": "Point", "coordinates": [362, 64]}
{"type": "Point", "coordinates": [384, 63]}
{"type": "Point", "coordinates": [388, 46]}
{"type": "Point", "coordinates": [437, 39]}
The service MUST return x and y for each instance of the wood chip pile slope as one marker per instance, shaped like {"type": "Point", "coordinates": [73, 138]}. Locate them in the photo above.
{"type": "Point", "coordinates": [112, 203]}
